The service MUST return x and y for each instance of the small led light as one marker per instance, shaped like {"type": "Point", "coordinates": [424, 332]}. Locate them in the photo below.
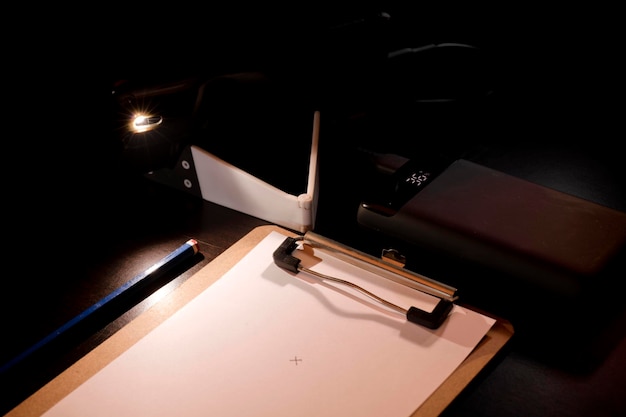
{"type": "Point", "coordinates": [143, 123]}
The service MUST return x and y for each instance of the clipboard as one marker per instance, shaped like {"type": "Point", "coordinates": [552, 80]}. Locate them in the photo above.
{"type": "Point", "coordinates": [76, 375]}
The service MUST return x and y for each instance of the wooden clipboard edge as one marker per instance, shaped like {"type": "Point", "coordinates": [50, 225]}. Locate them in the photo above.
{"type": "Point", "coordinates": [83, 369]}
{"type": "Point", "coordinates": [103, 354]}
{"type": "Point", "coordinates": [495, 339]}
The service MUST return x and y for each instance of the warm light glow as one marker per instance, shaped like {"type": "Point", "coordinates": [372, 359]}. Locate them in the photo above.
{"type": "Point", "coordinates": [143, 123]}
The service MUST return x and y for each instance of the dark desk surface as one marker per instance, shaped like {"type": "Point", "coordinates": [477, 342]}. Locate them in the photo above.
{"type": "Point", "coordinates": [75, 229]}
{"type": "Point", "coordinates": [82, 245]}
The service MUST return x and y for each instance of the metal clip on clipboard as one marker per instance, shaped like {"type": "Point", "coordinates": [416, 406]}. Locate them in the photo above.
{"type": "Point", "coordinates": [434, 319]}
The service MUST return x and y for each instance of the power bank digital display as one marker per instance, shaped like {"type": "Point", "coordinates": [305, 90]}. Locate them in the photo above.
{"type": "Point", "coordinates": [485, 217]}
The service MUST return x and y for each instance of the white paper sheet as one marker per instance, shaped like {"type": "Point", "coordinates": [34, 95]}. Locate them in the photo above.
{"type": "Point", "coordinates": [262, 341]}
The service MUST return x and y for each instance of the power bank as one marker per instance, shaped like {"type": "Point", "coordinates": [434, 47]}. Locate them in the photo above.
{"type": "Point", "coordinates": [477, 215]}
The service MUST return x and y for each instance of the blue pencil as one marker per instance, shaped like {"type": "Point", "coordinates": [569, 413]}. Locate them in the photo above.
{"type": "Point", "coordinates": [184, 252]}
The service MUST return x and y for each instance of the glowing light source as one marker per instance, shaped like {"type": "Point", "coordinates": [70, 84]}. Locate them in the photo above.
{"type": "Point", "coordinates": [144, 123]}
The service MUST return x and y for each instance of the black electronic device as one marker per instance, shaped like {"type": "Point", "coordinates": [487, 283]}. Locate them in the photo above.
{"type": "Point", "coordinates": [153, 121]}
{"type": "Point", "coordinates": [475, 215]}
{"type": "Point", "coordinates": [246, 118]}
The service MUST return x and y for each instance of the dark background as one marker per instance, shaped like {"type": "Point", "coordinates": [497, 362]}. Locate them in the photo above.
{"type": "Point", "coordinates": [539, 101]}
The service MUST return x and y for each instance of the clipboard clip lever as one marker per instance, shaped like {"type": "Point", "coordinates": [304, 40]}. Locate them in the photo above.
{"type": "Point", "coordinates": [284, 259]}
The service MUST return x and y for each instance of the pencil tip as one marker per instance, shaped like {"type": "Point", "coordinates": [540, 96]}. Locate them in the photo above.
{"type": "Point", "coordinates": [194, 244]}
